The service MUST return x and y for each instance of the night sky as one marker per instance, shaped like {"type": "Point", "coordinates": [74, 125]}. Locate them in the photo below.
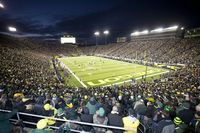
{"type": "Point", "coordinates": [52, 18]}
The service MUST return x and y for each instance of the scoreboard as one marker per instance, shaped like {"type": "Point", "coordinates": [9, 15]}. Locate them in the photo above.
{"type": "Point", "coordinates": [68, 40]}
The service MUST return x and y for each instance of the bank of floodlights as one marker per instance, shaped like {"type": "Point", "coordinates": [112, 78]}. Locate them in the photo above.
{"type": "Point", "coordinates": [137, 33]}
{"type": "Point", "coordinates": [160, 30]}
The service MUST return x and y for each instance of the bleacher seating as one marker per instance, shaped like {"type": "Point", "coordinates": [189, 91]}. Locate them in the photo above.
{"type": "Point", "coordinates": [28, 83]}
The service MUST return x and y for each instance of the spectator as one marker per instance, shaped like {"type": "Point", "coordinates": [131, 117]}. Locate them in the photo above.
{"type": "Point", "coordinates": [114, 119]}
{"type": "Point", "coordinates": [186, 115]}
{"type": "Point", "coordinates": [4, 121]}
{"type": "Point", "coordinates": [92, 105]}
{"type": "Point", "coordinates": [86, 117]}
{"type": "Point", "coordinates": [197, 119]}
{"type": "Point", "coordinates": [131, 121]}
{"type": "Point", "coordinates": [100, 118]}
{"type": "Point", "coordinates": [180, 126]}
{"type": "Point", "coordinates": [165, 125]}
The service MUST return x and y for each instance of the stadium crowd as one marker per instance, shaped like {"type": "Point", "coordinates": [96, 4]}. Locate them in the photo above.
{"type": "Point", "coordinates": [28, 83]}
{"type": "Point", "coordinates": [170, 51]}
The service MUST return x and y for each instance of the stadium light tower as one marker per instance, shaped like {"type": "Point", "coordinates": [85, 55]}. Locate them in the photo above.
{"type": "Point", "coordinates": [1, 5]}
{"type": "Point", "coordinates": [97, 34]}
{"type": "Point", "coordinates": [106, 33]}
{"type": "Point", "coordinates": [12, 29]}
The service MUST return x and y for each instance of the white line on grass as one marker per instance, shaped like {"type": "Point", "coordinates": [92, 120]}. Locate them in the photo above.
{"type": "Point", "coordinates": [135, 79]}
{"type": "Point", "coordinates": [74, 74]}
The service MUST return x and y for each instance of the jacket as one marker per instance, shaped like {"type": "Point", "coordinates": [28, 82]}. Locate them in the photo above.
{"type": "Point", "coordinates": [165, 126]}
{"type": "Point", "coordinates": [87, 118]}
{"type": "Point", "coordinates": [115, 120]}
{"type": "Point", "coordinates": [92, 108]}
{"type": "Point", "coordinates": [4, 121]}
{"type": "Point", "coordinates": [131, 122]}
{"type": "Point", "coordinates": [100, 120]}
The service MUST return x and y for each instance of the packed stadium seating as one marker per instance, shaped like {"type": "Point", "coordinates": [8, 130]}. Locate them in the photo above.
{"type": "Point", "coordinates": [163, 50]}
{"type": "Point", "coordinates": [29, 83]}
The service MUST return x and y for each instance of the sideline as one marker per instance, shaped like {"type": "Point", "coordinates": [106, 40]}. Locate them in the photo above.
{"type": "Point", "coordinates": [135, 79]}
{"type": "Point", "coordinates": [77, 78]}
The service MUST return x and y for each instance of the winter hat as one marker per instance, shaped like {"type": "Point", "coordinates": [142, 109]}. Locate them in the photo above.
{"type": "Point", "coordinates": [69, 104]}
{"type": "Point", "coordinates": [151, 99]}
{"type": "Point", "coordinates": [177, 121]}
{"type": "Point", "coordinates": [167, 108]}
{"type": "Point", "coordinates": [92, 101]}
{"type": "Point", "coordinates": [18, 95]}
{"type": "Point", "coordinates": [41, 124]}
{"type": "Point", "coordinates": [47, 107]}
{"type": "Point", "coordinates": [101, 112]}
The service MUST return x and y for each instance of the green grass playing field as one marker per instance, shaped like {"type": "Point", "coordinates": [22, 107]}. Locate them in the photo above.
{"type": "Point", "coordinates": [90, 71]}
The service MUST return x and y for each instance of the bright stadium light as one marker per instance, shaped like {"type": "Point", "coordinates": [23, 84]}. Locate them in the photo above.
{"type": "Point", "coordinates": [97, 33]}
{"type": "Point", "coordinates": [157, 30]}
{"type": "Point", "coordinates": [12, 29]}
{"type": "Point", "coordinates": [1, 5]}
{"type": "Point", "coordinates": [136, 33]}
{"type": "Point", "coordinates": [106, 32]}
{"type": "Point", "coordinates": [172, 28]}
{"type": "Point", "coordinates": [144, 32]}
{"type": "Point", "coordinates": [182, 28]}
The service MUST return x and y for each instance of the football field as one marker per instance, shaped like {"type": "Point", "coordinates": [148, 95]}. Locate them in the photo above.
{"type": "Point", "coordinates": [91, 71]}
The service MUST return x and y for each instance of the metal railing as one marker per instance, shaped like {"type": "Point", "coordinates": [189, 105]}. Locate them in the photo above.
{"type": "Point", "coordinates": [70, 121]}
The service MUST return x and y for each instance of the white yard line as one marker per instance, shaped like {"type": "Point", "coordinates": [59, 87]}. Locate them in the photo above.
{"type": "Point", "coordinates": [135, 79]}
{"type": "Point", "coordinates": [73, 74]}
